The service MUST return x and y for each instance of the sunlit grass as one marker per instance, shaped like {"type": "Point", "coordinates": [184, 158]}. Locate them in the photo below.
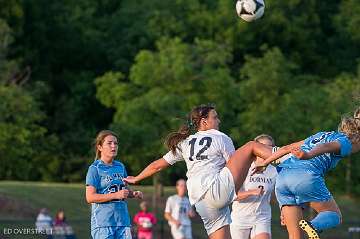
{"type": "Point", "coordinates": [71, 198]}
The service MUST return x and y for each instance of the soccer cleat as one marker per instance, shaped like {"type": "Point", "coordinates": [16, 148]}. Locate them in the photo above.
{"type": "Point", "coordinates": [309, 229]}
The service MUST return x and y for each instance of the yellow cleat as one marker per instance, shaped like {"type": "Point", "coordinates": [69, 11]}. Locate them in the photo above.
{"type": "Point", "coordinates": [308, 228]}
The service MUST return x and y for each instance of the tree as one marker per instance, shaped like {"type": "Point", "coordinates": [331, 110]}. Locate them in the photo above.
{"type": "Point", "coordinates": [162, 87]}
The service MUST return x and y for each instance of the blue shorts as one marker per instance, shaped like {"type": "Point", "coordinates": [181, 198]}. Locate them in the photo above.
{"type": "Point", "coordinates": [299, 186]}
{"type": "Point", "coordinates": [111, 233]}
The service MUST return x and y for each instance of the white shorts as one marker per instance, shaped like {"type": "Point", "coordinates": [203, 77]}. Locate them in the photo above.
{"type": "Point", "coordinates": [243, 232]}
{"type": "Point", "coordinates": [181, 232]}
{"type": "Point", "coordinates": [213, 208]}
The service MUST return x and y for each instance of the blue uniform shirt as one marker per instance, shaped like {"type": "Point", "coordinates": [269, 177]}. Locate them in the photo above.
{"type": "Point", "coordinates": [322, 163]}
{"type": "Point", "coordinates": [108, 179]}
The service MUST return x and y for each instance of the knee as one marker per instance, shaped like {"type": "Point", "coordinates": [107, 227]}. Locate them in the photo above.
{"type": "Point", "coordinates": [250, 145]}
{"type": "Point", "coordinates": [247, 147]}
{"type": "Point", "coordinates": [336, 214]}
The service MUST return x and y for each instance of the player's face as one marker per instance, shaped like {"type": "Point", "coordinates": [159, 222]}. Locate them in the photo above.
{"type": "Point", "coordinates": [143, 207]}
{"type": "Point", "coordinates": [181, 188]}
{"type": "Point", "coordinates": [109, 148]}
{"type": "Point", "coordinates": [61, 215]}
{"type": "Point", "coordinates": [212, 121]}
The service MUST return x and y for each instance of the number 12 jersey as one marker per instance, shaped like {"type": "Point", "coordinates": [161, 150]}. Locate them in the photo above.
{"type": "Point", "coordinates": [205, 154]}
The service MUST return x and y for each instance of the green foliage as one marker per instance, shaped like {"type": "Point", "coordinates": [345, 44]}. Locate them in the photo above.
{"type": "Point", "coordinates": [163, 85]}
{"type": "Point", "coordinates": [19, 118]}
{"type": "Point", "coordinates": [7, 67]}
{"type": "Point", "coordinates": [69, 69]}
{"type": "Point", "coordinates": [348, 19]}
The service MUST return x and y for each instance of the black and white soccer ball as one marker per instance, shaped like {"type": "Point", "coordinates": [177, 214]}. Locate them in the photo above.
{"type": "Point", "coordinates": [250, 10]}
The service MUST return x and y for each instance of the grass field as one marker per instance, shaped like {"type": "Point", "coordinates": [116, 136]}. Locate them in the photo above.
{"type": "Point", "coordinates": [24, 199]}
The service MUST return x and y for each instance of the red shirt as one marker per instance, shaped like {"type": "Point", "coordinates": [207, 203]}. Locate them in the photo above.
{"type": "Point", "coordinates": [145, 221]}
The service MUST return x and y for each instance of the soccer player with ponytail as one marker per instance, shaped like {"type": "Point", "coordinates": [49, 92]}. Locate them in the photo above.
{"type": "Point", "coordinates": [215, 170]}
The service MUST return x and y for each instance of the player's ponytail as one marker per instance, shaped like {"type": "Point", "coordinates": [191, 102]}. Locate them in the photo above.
{"type": "Point", "coordinates": [192, 125]}
{"type": "Point", "coordinates": [99, 140]}
{"type": "Point", "coordinates": [351, 126]}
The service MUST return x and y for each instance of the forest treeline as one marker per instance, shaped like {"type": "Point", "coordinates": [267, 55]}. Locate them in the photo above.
{"type": "Point", "coordinates": [71, 68]}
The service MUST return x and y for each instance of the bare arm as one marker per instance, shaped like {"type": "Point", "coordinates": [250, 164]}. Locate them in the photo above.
{"type": "Point", "coordinates": [331, 147]}
{"type": "Point", "coordinates": [282, 151]}
{"type": "Point", "coordinates": [93, 197]}
{"type": "Point", "coordinates": [241, 195]}
{"type": "Point", "coordinates": [278, 154]}
{"type": "Point", "coordinates": [150, 170]}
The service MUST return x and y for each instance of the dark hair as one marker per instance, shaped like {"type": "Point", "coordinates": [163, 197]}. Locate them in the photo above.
{"type": "Point", "coordinates": [192, 124]}
{"type": "Point", "coordinates": [57, 216]}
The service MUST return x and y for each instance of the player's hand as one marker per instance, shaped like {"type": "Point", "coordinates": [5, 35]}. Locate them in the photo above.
{"type": "Point", "coordinates": [259, 168]}
{"type": "Point", "coordinates": [257, 191]}
{"type": "Point", "coordinates": [138, 194]}
{"type": "Point", "coordinates": [177, 223]}
{"type": "Point", "coordinates": [297, 152]}
{"type": "Point", "coordinates": [122, 194]}
{"type": "Point", "coordinates": [130, 179]}
{"type": "Point", "coordinates": [191, 213]}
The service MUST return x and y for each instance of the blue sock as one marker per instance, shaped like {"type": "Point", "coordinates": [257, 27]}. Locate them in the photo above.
{"type": "Point", "coordinates": [325, 220]}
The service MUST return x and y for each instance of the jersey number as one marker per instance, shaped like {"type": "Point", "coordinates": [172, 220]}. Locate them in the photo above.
{"type": "Point", "coordinates": [319, 139]}
{"type": "Point", "coordinates": [199, 155]}
{"type": "Point", "coordinates": [115, 188]}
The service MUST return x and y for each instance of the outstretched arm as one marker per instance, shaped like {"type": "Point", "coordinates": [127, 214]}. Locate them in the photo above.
{"type": "Point", "coordinates": [331, 147]}
{"type": "Point", "coordinates": [283, 151]}
{"type": "Point", "coordinates": [151, 169]}
{"type": "Point", "coordinates": [278, 154]}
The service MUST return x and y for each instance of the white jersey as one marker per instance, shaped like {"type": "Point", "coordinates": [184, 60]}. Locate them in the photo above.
{"type": "Point", "coordinates": [179, 208]}
{"type": "Point", "coordinates": [255, 208]}
{"type": "Point", "coordinates": [205, 154]}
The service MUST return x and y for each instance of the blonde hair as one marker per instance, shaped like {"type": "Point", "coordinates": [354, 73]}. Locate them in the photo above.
{"type": "Point", "coordinates": [99, 140]}
{"type": "Point", "coordinates": [350, 125]}
{"type": "Point", "coordinates": [265, 136]}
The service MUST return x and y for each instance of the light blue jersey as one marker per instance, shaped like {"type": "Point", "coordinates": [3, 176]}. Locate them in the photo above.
{"type": "Point", "coordinates": [108, 179]}
{"type": "Point", "coordinates": [322, 163]}
{"type": "Point", "coordinates": [302, 181]}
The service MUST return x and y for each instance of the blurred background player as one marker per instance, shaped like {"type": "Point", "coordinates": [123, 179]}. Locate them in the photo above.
{"type": "Point", "coordinates": [106, 190]}
{"type": "Point", "coordinates": [178, 212]}
{"type": "Point", "coordinates": [251, 212]}
{"type": "Point", "coordinates": [145, 222]}
{"type": "Point", "coordinates": [44, 222]}
{"type": "Point", "coordinates": [61, 229]}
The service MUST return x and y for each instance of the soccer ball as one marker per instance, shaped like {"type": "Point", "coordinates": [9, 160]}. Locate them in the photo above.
{"type": "Point", "coordinates": [250, 10]}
